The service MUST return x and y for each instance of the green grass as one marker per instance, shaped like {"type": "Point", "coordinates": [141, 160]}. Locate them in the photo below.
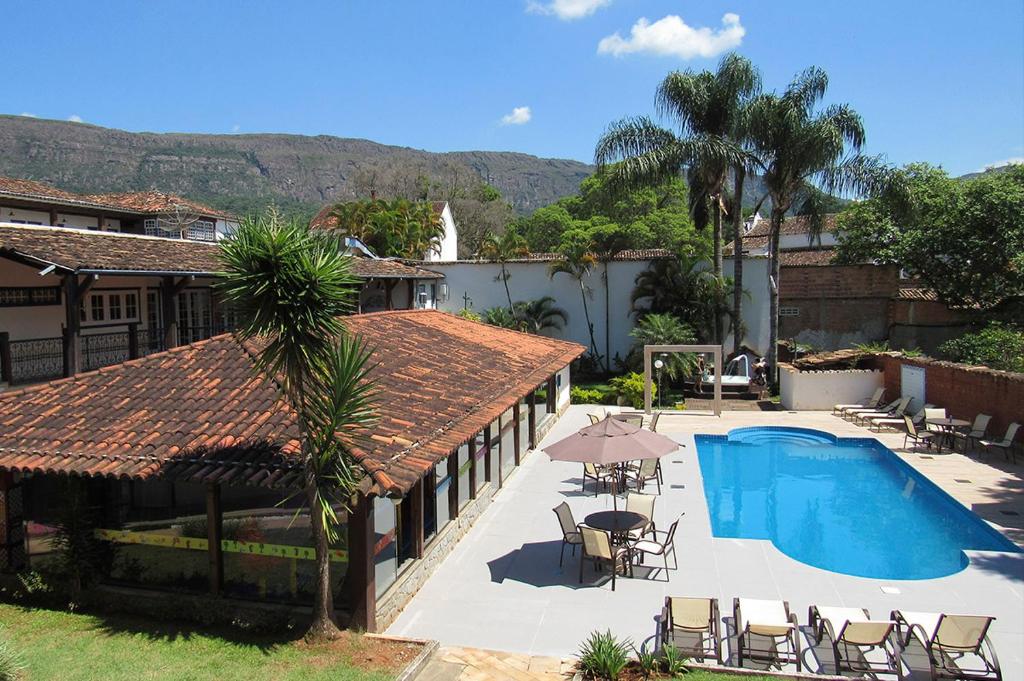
{"type": "Point", "coordinates": [701, 675]}
{"type": "Point", "coordinates": [78, 647]}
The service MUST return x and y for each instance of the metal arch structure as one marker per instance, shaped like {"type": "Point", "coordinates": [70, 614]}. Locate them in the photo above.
{"type": "Point", "coordinates": [715, 350]}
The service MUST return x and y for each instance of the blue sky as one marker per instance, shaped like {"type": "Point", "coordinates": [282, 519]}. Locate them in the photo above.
{"type": "Point", "coordinates": [941, 82]}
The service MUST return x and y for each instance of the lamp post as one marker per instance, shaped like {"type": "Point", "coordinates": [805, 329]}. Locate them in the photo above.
{"type": "Point", "coordinates": [658, 364]}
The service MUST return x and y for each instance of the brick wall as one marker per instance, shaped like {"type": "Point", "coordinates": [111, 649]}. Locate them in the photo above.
{"type": "Point", "coordinates": [838, 281]}
{"type": "Point", "coordinates": [963, 391]}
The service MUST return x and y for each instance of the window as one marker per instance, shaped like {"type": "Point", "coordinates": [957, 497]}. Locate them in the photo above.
{"type": "Point", "coordinates": [96, 307]}
{"type": "Point", "coordinates": [464, 469]}
{"type": "Point", "coordinates": [202, 230]}
{"type": "Point", "coordinates": [119, 307]}
{"type": "Point", "coordinates": [114, 303]}
{"type": "Point", "coordinates": [789, 311]}
{"type": "Point", "coordinates": [152, 227]}
{"type": "Point", "coordinates": [131, 306]}
{"type": "Point", "coordinates": [24, 296]}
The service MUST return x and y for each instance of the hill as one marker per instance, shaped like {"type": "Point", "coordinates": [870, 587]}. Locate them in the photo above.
{"type": "Point", "coordinates": [246, 172]}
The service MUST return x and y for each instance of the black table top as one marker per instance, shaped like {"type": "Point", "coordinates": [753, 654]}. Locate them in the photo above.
{"type": "Point", "coordinates": [616, 521]}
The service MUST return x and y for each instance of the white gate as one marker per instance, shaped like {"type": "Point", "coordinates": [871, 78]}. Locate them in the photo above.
{"type": "Point", "coordinates": [912, 384]}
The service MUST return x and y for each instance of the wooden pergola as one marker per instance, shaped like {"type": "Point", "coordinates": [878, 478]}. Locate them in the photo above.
{"type": "Point", "coordinates": [715, 350]}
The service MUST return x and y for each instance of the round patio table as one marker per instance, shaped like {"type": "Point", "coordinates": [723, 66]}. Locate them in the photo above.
{"type": "Point", "coordinates": [617, 523]}
{"type": "Point", "coordinates": [948, 425]}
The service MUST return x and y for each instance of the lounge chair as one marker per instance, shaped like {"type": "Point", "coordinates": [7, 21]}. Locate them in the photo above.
{"type": "Point", "coordinates": [977, 432]}
{"type": "Point", "coordinates": [649, 469]}
{"type": "Point", "coordinates": [597, 547]}
{"type": "Point", "coordinates": [644, 505]}
{"type": "Point", "coordinates": [851, 414]}
{"type": "Point", "coordinates": [769, 620]}
{"type": "Point", "coordinates": [690, 625]}
{"type": "Point", "coordinates": [599, 474]}
{"type": "Point", "coordinates": [570, 533]}
{"type": "Point", "coordinates": [635, 419]}
{"type": "Point", "coordinates": [870, 402]}
{"type": "Point", "coordinates": [879, 422]}
{"type": "Point", "coordinates": [918, 436]}
{"type": "Point", "coordinates": [899, 410]}
{"type": "Point", "coordinates": [1006, 444]}
{"type": "Point", "coordinates": [853, 635]}
{"type": "Point", "coordinates": [957, 645]}
{"type": "Point", "coordinates": [662, 544]}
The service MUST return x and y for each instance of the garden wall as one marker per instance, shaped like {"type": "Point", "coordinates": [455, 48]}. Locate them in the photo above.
{"type": "Point", "coordinates": [817, 390]}
{"type": "Point", "coordinates": [964, 391]}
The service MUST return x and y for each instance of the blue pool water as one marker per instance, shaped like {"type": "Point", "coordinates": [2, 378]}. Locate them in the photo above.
{"type": "Point", "coordinates": [847, 505]}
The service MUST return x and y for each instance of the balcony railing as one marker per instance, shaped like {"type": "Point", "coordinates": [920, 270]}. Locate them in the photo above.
{"type": "Point", "coordinates": [42, 359]}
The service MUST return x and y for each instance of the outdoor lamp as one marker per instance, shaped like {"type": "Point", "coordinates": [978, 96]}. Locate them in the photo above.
{"type": "Point", "coordinates": [658, 364]}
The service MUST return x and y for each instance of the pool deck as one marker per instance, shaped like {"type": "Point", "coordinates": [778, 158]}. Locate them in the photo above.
{"type": "Point", "coordinates": [502, 588]}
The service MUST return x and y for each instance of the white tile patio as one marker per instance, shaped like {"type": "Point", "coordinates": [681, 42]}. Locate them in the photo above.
{"type": "Point", "coordinates": [502, 589]}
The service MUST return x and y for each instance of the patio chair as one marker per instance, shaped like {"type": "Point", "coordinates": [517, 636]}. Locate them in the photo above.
{"type": "Point", "coordinates": [769, 620]}
{"type": "Point", "coordinates": [653, 426]}
{"type": "Point", "coordinates": [899, 410]}
{"type": "Point", "coordinates": [594, 419]}
{"type": "Point", "coordinates": [691, 626]}
{"type": "Point", "coordinates": [851, 414]}
{"type": "Point", "coordinates": [649, 469]}
{"type": "Point", "coordinates": [918, 436]}
{"type": "Point", "coordinates": [957, 645]}
{"type": "Point", "coordinates": [599, 474]}
{"type": "Point", "coordinates": [977, 432]}
{"type": "Point", "coordinates": [1006, 444]}
{"type": "Point", "coordinates": [879, 422]}
{"type": "Point", "coordinates": [635, 419]}
{"type": "Point", "coordinates": [662, 544]}
{"type": "Point", "coordinates": [570, 534]}
{"type": "Point", "coordinates": [598, 548]}
{"type": "Point", "coordinates": [853, 635]}
{"type": "Point", "coordinates": [644, 505]}
{"type": "Point", "coordinates": [871, 402]}
{"type": "Point", "coordinates": [931, 414]}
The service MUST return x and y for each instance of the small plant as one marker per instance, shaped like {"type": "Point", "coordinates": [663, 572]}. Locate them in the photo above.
{"type": "Point", "coordinates": [466, 313]}
{"type": "Point", "coordinates": [873, 346]}
{"type": "Point", "coordinates": [647, 660]}
{"type": "Point", "coordinates": [631, 389]}
{"type": "Point", "coordinates": [602, 656]}
{"type": "Point", "coordinates": [11, 665]}
{"type": "Point", "coordinates": [912, 352]}
{"type": "Point", "coordinates": [673, 661]}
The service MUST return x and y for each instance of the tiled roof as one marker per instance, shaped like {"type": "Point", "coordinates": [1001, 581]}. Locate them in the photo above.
{"type": "Point", "coordinates": [84, 250]}
{"type": "Point", "coordinates": [635, 254]}
{"type": "Point", "coordinates": [806, 257]}
{"type": "Point", "coordinates": [197, 413]}
{"type": "Point", "coordinates": [78, 249]}
{"type": "Point", "coordinates": [757, 237]}
{"type": "Point", "coordinates": [916, 293]}
{"type": "Point", "coordinates": [145, 203]}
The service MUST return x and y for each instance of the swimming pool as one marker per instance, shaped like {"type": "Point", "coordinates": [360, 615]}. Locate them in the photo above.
{"type": "Point", "coordinates": [848, 505]}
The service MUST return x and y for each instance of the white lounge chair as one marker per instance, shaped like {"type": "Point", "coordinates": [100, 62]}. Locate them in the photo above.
{"type": "Point", "coordinates": [1006, 444]}
{"type": "Point", "coordinates": [900, 409]}
{"type": "Point", "coordinates": [870, 402]}
{"type": "Point", "coordinates": [879, 422]}
{"type": "Point", "coordinates": [769, 620]}
{"type": "Point", "coordinates": [854, 635]}
{"type": "Point", "coordinates": [957, 645]}
{"type": "Point", "coordinates": [852, 414]}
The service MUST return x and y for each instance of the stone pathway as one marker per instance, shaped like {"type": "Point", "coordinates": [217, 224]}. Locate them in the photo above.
{"type": "Point", "coordinates": [472, 664]}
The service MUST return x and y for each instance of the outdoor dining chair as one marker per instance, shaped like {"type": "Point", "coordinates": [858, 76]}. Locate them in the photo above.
{"type": "Point", "coordinates": [662, 544]}
{"type": "Point", "coordinates": [570, 533]}
{"type": "Point", "coordinates": [977, 432]}
{"type": "Point", "coordinates": [854, 635]}
{"type": "Point", "coordinates": [1006, 444]}
{"type": "Point", "coordinates": [644, 505]}
{"type": "Point", "coordinates": [931, 415]}
{"type": "Point", "coordinates": [691, 626]}
{"type": "Point", "coordinates": [957, 645]}
{"type": "Point", "coordinates": [918, 436]}
{"type": "Point", "coordinates": [653, 426]}
{"type": "Point", "coordinates": [598, 548]}
{"type": "Point", "coordinates": [649, 469]}
{"type": "Point", "coordinates": [599, 474]}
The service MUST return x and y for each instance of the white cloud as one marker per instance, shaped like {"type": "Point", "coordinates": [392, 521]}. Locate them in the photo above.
{"type": "Point", "coordinates": [236, 127]}
{"type": "Point", "coordinates": [519, 116]}
{"type": "Point", "coordinates": [566, 10]}
{"type": "Point", "coordinates": [1005, 162]}
{"type": "Point", "coordinates": [26, 114]}
{"type": "Point", "coordinates": [75, 118]}
{"type": "Point", "coordinates": [673, 37]}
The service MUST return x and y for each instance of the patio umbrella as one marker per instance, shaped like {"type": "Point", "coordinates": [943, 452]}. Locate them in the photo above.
{"type": "Point", "coordinates": [611, 442]}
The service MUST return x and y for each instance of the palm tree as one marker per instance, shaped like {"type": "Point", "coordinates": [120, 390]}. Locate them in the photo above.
{"type": "Point", "coordinates": [393, 229]}
{"type": "Point", "coordinates": [802, 150]}
{"type": "Point", "coordinates": [706, 108]}
{"type": "Point", "coordinates": [501, 249]}
{"type": "Point", "coordinates": [681, 286]}
{"type": "Point", "coordinates": [289, 287]}
{"type": "Point", "coordinates": [666, 329]}
{"type": "Point", "coordinates": [577, 260]}
{"type": "Point", "coordinates": [539, 315]}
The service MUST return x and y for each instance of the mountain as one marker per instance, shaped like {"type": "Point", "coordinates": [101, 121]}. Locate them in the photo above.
{"type": "Point", "coordinates": [991, 170]}
{"type": "Point", "coordinates": [246, 172]}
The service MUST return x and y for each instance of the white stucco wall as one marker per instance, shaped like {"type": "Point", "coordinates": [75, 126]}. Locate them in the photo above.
{"type": "Point", "coordinates": [562, 383]}
{"type": "Point", "coordinates": [817, 390]}
{"type": "Point", "coordinates": [756, 302]}
{"type": "Point", "coordinates": [449, 247]}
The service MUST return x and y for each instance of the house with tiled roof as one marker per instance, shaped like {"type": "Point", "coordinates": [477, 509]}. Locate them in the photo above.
{"type": "Point", "coordinates": [190, 460]}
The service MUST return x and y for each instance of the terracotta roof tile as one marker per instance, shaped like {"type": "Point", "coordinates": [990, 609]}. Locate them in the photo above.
{"type": "Point", "coordinates": [198, 413]}
{"type": "Point", "coordinates": [806, 257]}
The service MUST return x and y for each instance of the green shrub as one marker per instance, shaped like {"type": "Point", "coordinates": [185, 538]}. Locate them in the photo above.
{"type": "Point", "coordinates": [647, 660]}
{"type": "Point", "coordinates": [631, 388]}
{"type": "Point", "coordinates": [579, 395]}
{"type": "Point", "coordinates": [997, 346]}
{"type": "Point", "coordinates": [466, 313]}
{"type": "Point", "coordinates": [602, 656]}
{"type": "Point", "coordinates": [11, 665]}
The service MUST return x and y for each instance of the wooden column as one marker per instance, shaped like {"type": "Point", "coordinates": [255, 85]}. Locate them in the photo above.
{"type": "Point", "coordinates": [516, 437]}
{"type": "Point", "coordinates": [453, 488]}
{"type": "Point", "coordinates": [487, 454]}
{"type": "Point", "coordinates": [12, 525]}
{"type": "Point", "coordinates": [53, 217]}
{"type": "Point", "coordinates": [532, 399]}
{"type": "Point", "coordinates": [168, 312]}
{"type": "Point", "coordinates": [552, 395]}
{"type": "Point", "coordinates": [389, 287]}
{"type": "Point", "coordinates": [214, 534]}
{"type": "Point", "coordinates": [362, 576]}
{"type": "Point", "coordinates": [472, 468]}
{"type": "Point", "coordinates": [416, 500]}
{"type": "Point", "coordinates": [72, 325]}
{"type": "Point", "coordinates": [412, 294]}
{"type": "Point", "coordinates": [133, 340]}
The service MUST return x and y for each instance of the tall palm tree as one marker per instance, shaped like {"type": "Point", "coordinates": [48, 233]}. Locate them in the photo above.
{"type": "Point", "coordinates": [801, 151]}
{"type": "Point", "coordinates": [289, 287]}
{"type": "Point", "coordinates": [501, 249]}
{"type": "Point", "coordinates": [540, 315]}
{"type": "Point", "coordinates": [706, 107]}
{"type": "Point", "coordinates": [577, 261]}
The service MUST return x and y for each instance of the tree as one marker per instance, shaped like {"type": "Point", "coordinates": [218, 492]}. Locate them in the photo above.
{"type": "Point", "coordinates": [705, 107]}
{"type": "Point", "coordinates": [501, 249]}
{"type": "Point", "coordinates": [577, 260]}
{"type": "Point", "coordinates": [797, 147]}
{"type": "Point", "coordinates": [963, 239]}
{"type": "Point", "coordinates": [392, 229]}
{"type": "Point", "coordinates": [997, 345]}
{"type": "Point", "coordinates": [289, 287]}
{"type": "Point", "coordinates": [666, 329]}
{"type": "Point", "coordinates": [540, 315]}
{"type": "Point", "coordinates": [684, 288]}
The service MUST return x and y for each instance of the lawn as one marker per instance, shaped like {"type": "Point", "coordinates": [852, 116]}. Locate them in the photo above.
{"type": "Point", "coordinates": [78, 647]}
